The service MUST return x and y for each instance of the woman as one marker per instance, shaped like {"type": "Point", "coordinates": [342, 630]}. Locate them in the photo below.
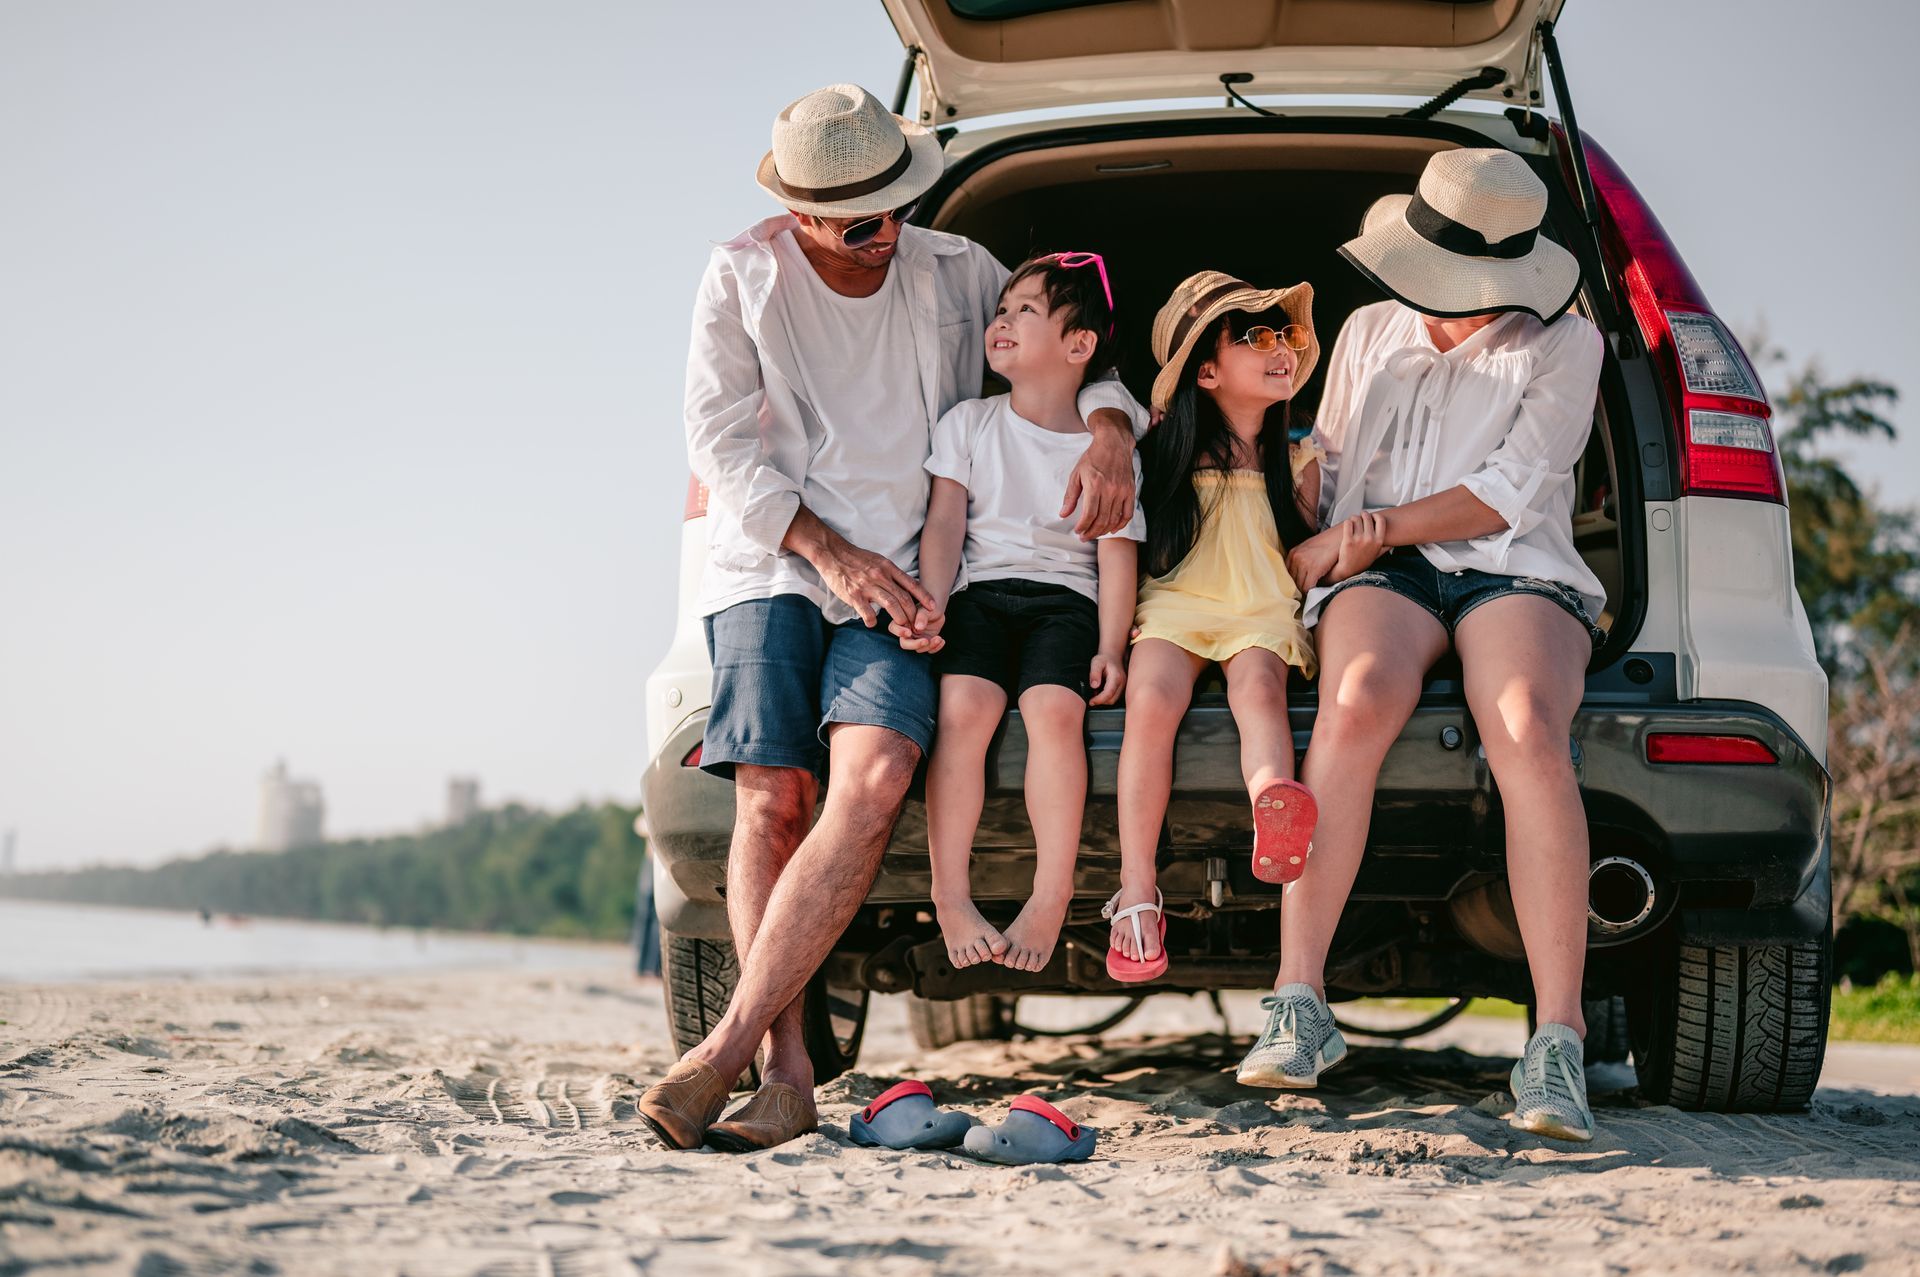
{"type": "Point", "coordinates": [1453, 418]}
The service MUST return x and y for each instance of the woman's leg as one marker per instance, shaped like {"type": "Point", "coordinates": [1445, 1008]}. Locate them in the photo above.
{"type": "Point", "coordinates": [1159, 688]}
{"type": "Point", "coordinates": [1257, 694]}
{"type": "Point", "coordinates": [1055, 718]}
{"type": "Point", "coordinates": [1375, 649]}
{"type": "Point", "coordinates": [970, 711]}
{"type": "Point", "coordinates": [1525, 660]}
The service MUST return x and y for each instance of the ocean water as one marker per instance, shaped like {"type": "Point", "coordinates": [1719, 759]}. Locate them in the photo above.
{"type": "Point", "coordinates": [61, 942]}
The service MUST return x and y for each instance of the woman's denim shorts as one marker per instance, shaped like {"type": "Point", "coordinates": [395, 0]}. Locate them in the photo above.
{"type": "Point", "coordinates": [783, 674]}
{"type": "Point", "coordinates": [1451, 595]}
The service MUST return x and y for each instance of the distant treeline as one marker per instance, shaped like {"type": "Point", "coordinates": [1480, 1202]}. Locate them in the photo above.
{"type": "Point", "coordinates": [512, 869]}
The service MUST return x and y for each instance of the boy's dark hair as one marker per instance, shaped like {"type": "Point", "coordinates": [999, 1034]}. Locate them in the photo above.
{"type": "Point", "coordinates": [1076, 297]}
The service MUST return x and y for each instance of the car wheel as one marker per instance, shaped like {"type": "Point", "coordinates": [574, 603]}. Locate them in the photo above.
{"type": "Point", "coordinates": [1734, 1028]}
{"type": "Point", "coordinates": [1607, 1039]}
{"type": "Point", "coordinates": [700, 975]}
{"type": "Point", "coordinates": [982, 1017]}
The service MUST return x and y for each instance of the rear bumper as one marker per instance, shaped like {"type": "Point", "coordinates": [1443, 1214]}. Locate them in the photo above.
{"type": "Point", "coordinates": [1739, 852]}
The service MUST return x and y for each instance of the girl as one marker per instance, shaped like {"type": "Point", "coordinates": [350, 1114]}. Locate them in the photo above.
{"type": "Point", "coordinates": [1222, 510]}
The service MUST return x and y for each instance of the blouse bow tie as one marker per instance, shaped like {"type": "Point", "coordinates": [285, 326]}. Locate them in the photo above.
{"type": "Point", "coordinates": [1422, 384]}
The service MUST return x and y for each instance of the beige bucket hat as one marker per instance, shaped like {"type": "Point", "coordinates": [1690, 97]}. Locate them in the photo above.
{"type": "Point", "coordinates": [1204, 297]}
{"type": "Point", "coordinates": [838, 153]}
{"type": "Point", "coordinates": [1467, 241]}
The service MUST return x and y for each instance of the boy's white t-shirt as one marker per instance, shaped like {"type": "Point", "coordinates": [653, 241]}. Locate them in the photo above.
{"type": "Point", "coordinates": [1015, 473]}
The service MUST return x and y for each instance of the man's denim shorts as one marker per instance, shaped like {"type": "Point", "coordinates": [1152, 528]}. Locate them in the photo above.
{"type": "Point", "coordinates": [782, 673]}
{"type": "Point", "coordinates": [1451, 595]}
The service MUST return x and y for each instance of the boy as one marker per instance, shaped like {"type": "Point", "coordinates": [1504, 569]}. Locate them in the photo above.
{"type": "Point", "coordinates": [1024, 610]}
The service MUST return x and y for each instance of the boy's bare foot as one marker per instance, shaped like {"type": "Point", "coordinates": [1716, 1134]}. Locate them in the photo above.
{"type": "Point", "coordinates": [1123, 933]}
{"type": "Point", "coordinates": [1031, 938]}
{"type": "Point", "coordinates": [970, 938]}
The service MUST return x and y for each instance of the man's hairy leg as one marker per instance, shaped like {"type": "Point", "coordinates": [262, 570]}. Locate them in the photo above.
{"type": "Point", "coordinates": [816, 896]}
{"type": "Point", "coordinates": [773, 807]}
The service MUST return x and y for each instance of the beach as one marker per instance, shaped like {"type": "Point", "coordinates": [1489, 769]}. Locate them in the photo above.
{"type": "Point", "coordinates": [481, 1122]}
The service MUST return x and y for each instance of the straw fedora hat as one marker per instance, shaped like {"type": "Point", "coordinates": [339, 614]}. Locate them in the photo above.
{"type": "Point", "coordinates": [1199, 300]}
{"type": "Point", "coordinates": [838, 153]}
{"type": "Point", "coordinates": [1467, 241]}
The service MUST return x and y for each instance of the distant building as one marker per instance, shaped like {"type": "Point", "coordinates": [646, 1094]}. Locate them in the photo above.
{"type": "Point", "coordinates": [463, 800]}
{"type": "Point", "coordinates": [292, 813]}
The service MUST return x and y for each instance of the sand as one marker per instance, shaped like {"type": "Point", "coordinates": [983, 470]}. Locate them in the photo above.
{"type": "Point", "coordinates": [479, 1123]}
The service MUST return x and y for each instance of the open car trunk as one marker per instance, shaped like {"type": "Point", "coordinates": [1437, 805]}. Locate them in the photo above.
{"type": "Point", "coordinates": [1268, 207]}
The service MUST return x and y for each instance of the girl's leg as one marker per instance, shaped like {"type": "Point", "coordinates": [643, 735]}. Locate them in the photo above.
{"type": "Point", "coordinates": [1375, 650]}
{"type": "Point", "coordinates": [970, 710]}
{"type": "Point", "coordinates": [1525, 662]}
{"type": "Point", "coordinates": [1257, 694]}
{"type": "Point", "coordinates": [1055, 718]}
{"type": "Point", "coordinates": [1160, 679]}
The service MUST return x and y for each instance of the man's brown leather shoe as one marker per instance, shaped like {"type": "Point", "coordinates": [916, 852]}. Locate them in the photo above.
{"type": "Point", "coordinates": [683, 1104]}
{"type": "Point", "coordinates": [776, 1113]}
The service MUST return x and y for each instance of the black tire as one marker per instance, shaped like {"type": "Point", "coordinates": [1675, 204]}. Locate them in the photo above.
{"type": "Point", "coordinates": [1735, 1029]}
{"type": "Point", "coordinates": [1607, 1038]}
{"type": "Point", "coordinates": [699, 977]}
{"type": "Point", "coordinates": [982, 1017]}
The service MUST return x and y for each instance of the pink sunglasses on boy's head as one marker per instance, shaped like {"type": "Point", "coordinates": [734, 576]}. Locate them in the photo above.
{"type": "Point", "coordinates": [1071, 260]}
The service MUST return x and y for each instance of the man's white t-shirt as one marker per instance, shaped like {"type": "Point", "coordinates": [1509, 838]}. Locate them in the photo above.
{"type": "Point", "coordinates": [858, 378]}
{"type": "Point", "coordinates": [1015, 473]}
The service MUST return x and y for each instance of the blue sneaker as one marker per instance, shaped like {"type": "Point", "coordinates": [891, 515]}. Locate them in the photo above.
{"type": "Point", "coordinates": [1299, 1043]}
{"type": "Point", "coordinates": [1550, 1086]}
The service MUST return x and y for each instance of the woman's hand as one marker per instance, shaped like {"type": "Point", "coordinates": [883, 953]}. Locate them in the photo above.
{"type": "Point", "coordinates": [1362, 540]}
{"type": "Point", "coordinates": [1314, 558]}
{"type": "Point", "coordinates": [1107, 678]}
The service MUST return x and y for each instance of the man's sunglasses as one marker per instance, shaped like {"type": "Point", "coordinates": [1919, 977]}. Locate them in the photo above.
{"type": "Point", "coordinates": [867, 229]}
{"type": "Point", "coordinates": [1267, 340]}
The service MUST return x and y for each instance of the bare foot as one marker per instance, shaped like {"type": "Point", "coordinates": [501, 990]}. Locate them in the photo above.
{"type": "Point", "coordinates": [1031, 938]}
{"type": "Point", "coordinates": [970, 938]}
{"type": "Point", "coordinates": [1123, 933]}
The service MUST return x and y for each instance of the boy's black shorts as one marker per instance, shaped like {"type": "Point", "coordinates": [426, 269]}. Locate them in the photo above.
{"type": "Point", "coordinates": [1021, 634]}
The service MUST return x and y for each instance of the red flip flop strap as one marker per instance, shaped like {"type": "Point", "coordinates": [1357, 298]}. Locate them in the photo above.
{"type": "Point", "coordinates": [1039, 1107]}
{"type": "Point", "coordinates": [898, 1091]}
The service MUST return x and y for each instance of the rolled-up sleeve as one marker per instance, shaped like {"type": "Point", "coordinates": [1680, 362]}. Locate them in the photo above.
{"type": "Point", "coordinates": [724, 404]}
{"type": "Point", "coordinates": [1549, 432]}
{"type": "Point", "coordinates": [952, 453]}
{"type": "Point", "coordinates": [1109, 393]}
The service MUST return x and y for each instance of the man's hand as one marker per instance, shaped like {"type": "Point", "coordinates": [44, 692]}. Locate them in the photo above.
{"type": "Point", "coordinates": [1362, 540]}
{"type": "Point", "coordinates": [1107, 678]}
{"type": "Point", "coordinates": [1311, 560]}
{"type": "Point", "coordinates": [923, 635]}
{"type": "Point", "coordinates": [1101, 485]}
{"type": "Point", "coordinates": [866, 582]}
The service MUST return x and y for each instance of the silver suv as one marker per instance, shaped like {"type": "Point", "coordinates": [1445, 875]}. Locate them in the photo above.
{"type": "Point", "coordinates": [1701, 742]}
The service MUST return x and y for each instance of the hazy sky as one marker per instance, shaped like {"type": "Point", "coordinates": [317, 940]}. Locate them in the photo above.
{"type": "Point", "coordinates": [341, 350]}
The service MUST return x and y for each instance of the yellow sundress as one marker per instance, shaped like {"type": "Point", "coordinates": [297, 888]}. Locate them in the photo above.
{"type": "Point", "coordinates": [1233, 590]}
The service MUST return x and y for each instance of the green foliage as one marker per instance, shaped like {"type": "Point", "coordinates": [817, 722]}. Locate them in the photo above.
{"type": "Point", "coordinates": [1887, 1012]}
{"type": "Point", "coordinates": [513, 869]}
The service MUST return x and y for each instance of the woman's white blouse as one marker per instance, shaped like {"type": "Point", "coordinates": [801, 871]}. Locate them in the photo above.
{"type": "Point", "coordinates": [1505, 414]}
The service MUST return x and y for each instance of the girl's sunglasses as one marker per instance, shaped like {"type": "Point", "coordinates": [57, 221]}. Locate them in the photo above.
{"type": "Point", "coordinates": [867, 229]}
{"type": "Point", "coordinates": [1267, 340]}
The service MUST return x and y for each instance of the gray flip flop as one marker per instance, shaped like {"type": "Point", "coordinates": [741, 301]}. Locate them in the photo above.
{"type": "Point", "coordinates": [904, 1117]}
{"type": "Point", "coordinates": [1034, 1131]}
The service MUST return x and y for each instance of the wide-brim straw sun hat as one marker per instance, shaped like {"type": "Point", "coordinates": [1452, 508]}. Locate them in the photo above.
{"type": "Point", "coordinates": [1204, 297]}
{"type": "Point", "coordinates": [1467, 241]}
{"type": "Point", "coordinates": [838, 153]}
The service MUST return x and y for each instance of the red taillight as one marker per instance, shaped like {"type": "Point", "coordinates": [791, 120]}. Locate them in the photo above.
{"type": "Point", "coordinates": [1720, 410]}
{"type": "Point", "coordinates": [696, 498]}
{"type": "Point", "coordinates": [1682, 747]}
{"type": "Point", "coordinates": [693, 755]}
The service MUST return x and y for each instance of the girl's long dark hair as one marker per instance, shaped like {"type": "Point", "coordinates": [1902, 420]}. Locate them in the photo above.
{"type": "Point", "coordinates": [1193, 434]}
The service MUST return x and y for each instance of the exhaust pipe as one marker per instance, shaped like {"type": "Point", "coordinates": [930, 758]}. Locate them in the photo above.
{"type": "Point", "coordinates": [1620, 895]}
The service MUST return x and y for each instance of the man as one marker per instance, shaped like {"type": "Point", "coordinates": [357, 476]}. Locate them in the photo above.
{"type": "Point", "coordinates": [826, 343]}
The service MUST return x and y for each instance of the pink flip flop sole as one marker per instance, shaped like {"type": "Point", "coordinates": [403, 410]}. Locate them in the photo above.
{"type": "Point", "coordinates": [1132, 970]}
{"type": "Point", "coordinates": [1284, 815]}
